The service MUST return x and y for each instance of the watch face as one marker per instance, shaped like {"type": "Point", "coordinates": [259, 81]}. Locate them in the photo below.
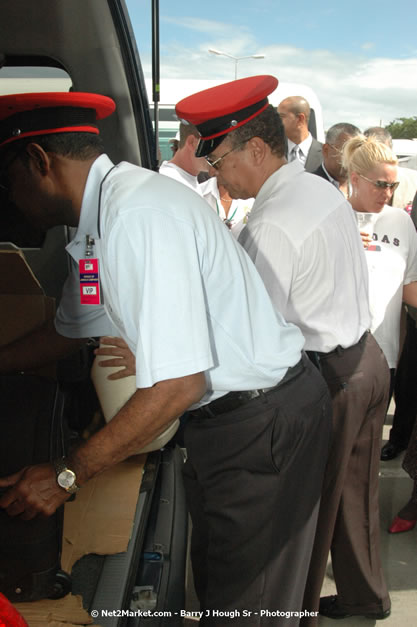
{"type": "Point", "coordinates": [66, 479]}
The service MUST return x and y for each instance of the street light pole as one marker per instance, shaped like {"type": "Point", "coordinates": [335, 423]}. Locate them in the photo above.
{"type": "Point", "coordinates": [236, 59]}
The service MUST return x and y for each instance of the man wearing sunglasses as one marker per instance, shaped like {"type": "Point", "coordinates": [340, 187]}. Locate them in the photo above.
{"type": "Point", "coordinates": [303, 238]}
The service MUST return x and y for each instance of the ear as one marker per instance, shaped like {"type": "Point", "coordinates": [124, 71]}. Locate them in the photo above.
{"type": "Point", "coordinates": [325, 150]}
{"type": "Point", "coordinates": [39, 158]}
{"type": "Point", "coordinates": [192, 142]}
{"type": "Point", "coordinates": [258, 149]}
{"type": "Point", "coordinates": [354, 179]}
{"type": "Point", "coordinates": [301, 119]}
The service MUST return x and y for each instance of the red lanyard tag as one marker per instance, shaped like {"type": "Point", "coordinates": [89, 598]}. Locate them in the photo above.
{"type": "Point", "coordinates": [89, 282]}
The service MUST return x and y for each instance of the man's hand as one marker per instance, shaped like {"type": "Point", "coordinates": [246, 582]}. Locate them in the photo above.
{"type": "Point", "coordinates": [122, 357]}
{"type": "Point", "coordinates": [32, 491]}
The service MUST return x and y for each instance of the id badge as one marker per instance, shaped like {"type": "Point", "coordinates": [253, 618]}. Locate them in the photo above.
{"type": "Point", "coordinates": [89, 282]}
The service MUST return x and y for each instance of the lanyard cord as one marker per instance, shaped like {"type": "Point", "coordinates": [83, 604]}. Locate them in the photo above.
{"type": "Point", "coordinates": [99, 200]}
{"type": "Point", "coordinates": [227, 219]}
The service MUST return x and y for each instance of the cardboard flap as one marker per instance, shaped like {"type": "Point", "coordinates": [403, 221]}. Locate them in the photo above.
{"type": "Point", "coordinates": [100, 521]}
{"type": "Point", "coordinates": [20, 314]}
{"type": "Point", "coordinates": [16, 277]}
{"type": "Point", "coordinates": [23, 304]}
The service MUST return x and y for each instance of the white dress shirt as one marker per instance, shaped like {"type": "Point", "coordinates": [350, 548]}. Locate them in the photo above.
{"type": "Point", "coordinates": [303, 238]}
{"type": "Point", "coordinates": [181, 292]}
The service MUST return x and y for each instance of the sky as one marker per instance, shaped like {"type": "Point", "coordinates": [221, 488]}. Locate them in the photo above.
{"type": "Point", "coordinates": [360, 57]}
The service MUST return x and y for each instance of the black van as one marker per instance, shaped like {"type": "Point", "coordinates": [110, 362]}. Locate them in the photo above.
{"type": "Point", "coordinates": [88, 45]}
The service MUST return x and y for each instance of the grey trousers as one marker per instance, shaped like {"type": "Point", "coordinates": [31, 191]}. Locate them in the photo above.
{"type": "Point", "coordinates": [348, 523]}
{"type": "Point", "coordinates": [253, 480]}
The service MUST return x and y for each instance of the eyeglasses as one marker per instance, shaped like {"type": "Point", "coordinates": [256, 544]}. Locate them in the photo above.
{"type": "Point", "coordinates": [215, 163]}
{"type": "Point", "coordinates": [382, 184]}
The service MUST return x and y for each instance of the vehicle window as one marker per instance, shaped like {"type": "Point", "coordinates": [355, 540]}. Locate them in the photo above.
{"type": "Point", "coordinates": [17, 79]}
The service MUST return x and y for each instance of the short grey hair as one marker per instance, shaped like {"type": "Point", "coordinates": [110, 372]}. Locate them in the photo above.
{"type": "Point", "coordinates": [336, 130]}
{"type": "Point", "coordinates": [379, 133]}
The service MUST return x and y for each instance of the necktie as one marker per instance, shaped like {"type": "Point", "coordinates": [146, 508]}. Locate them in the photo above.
{"type": "Point", "coordinates": [295, 153]}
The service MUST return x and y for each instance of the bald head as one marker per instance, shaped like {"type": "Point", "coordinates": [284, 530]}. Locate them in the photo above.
{"type": "Point", "coordinates": [295, 114]}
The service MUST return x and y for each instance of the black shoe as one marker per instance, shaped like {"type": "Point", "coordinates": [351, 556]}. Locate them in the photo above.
{"type": "Point", "coordinates": [390, 451]}
{"type": "Point", "coordinates": [329, 607]}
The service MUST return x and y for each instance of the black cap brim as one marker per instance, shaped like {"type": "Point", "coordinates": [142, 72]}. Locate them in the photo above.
{"type": "Point", "coordinates": [206, 146]}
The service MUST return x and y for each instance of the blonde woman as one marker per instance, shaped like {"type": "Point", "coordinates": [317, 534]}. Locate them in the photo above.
{"type": "Point", "coordinates": [389, 237]}
{"type": "Point", "coordinates": [390, 242]}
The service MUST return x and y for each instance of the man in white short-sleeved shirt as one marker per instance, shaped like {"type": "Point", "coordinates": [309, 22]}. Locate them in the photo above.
{"type": "Point", "coordinates": [134, 237]}
{"type": "Point", "coordinates": [192, 308]}
{"type": "Point", "coordinates": [184, 165]}
{"type": "Point", "coordinates": [304, 241]}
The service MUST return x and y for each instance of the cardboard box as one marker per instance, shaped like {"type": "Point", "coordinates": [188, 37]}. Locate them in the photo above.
{"type": "Point", "coordinates": [23, 304]}
{"type": "Point", "coordinates": [100, 521]}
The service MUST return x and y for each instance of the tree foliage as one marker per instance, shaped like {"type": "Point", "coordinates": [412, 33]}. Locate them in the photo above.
{"type": "Point", "coordinates": [403, 128]}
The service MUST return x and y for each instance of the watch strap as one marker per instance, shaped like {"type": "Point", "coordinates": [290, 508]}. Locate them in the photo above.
{"type": "Point", "coordinates": [60, 465]}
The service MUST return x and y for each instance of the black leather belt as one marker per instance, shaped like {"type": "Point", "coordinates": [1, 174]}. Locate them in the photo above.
{"type": "Point", "coordinates": [233, 400]}
{"type": "Point", "coordinates": [316, 356]}
{"type": "Point", "coordinates": [339, 350]}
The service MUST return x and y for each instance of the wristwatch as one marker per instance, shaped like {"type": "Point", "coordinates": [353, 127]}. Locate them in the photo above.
{"type": "Point", "coordinates": [65, 477]}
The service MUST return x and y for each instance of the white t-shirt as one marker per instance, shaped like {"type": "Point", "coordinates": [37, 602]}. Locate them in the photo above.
{"type": "Point", "coordinates": [239, 208]}
{"type": "Point", "coordinates": [167, 168]}
{"type": "Point", "coordinates": [305, 243]}
{"type": "Point", "coordinates": [180, 291]}
{"type": "Point", "coordinates": [392, 263]}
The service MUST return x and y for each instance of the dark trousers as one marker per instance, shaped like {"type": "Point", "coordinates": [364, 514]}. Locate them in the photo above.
{"type": "Point", "coordinates": [405, 389]}
{"type": "Point", "coordinates": [348, 523]}
{"type": "Point", "coordinates": [253, 480]}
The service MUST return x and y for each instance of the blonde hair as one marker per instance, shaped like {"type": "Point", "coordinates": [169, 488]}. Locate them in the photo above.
{"type": "Point", "coordinates": [361, 154]}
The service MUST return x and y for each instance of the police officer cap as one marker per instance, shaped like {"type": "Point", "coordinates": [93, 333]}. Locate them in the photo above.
{"type": "Point", "coordinates": [219, 110]}
{"type": "Point", "coordinates": [27, 115]}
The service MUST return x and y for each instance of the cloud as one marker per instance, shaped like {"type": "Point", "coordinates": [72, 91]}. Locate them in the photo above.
{"type": "Point", "coordinates": [199, 25]}
{"type": "Point", "coordinates": [351, 87]}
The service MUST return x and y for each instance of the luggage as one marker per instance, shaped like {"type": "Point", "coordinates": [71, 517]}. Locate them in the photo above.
{"type": "Point", "coordinates": [32, 431]}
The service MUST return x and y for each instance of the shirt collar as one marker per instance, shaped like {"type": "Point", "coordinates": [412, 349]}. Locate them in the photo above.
{"type": "Point", "coordinates": [329, 176]}
{"type": "Point", "coordinates": [88, 216]}
{"type": "Point", "coordinates": [304, 146]}
{"type": "Point", "coordinates": [278, 178]}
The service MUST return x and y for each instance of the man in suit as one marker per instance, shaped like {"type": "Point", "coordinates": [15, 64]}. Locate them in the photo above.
{"type": "Point", "coordinates": [331, 168]}
{"type": "Point", "coordinates": [295, 114]}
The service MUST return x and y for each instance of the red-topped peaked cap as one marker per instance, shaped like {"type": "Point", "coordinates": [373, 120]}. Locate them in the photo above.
{"type": "Point", "coordinates": [27, 115]}
{"type": "Point", "coordinates": [219, 110]}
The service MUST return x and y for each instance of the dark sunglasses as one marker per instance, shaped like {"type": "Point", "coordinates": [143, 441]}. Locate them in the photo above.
{"type": "Point", "coordinates": [382, 184]}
